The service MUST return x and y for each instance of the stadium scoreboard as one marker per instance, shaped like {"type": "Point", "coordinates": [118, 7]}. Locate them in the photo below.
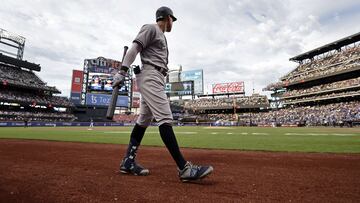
{"type": "Point", "coordinates": [93, 85]}
{"type": "Point", "coordinates": [180, 88]}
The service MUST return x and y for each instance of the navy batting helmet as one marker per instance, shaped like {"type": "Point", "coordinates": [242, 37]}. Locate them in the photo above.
{"type": "Point", "coordinates": [163, 12]}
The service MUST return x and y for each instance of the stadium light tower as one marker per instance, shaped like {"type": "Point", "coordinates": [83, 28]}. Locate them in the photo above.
{"type": "Point", "coordinates": [12, 40]}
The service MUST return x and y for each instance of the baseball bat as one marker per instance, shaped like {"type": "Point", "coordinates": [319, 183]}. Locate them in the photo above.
{"type": "Point", "coordinates": [115, 93]}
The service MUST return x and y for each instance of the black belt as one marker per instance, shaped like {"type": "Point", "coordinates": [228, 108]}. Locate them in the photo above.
{"type": "Point", "coordinates": [160, 69]}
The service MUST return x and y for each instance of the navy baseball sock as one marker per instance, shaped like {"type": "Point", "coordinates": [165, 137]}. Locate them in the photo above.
{"type": "Point", "coordinates": [169, 139]}
{"type": "Point", "coordinates": [135, 139]}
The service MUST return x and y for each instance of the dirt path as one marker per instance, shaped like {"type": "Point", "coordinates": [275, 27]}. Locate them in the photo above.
{"type": "Point", "coordinates": [41, 171]}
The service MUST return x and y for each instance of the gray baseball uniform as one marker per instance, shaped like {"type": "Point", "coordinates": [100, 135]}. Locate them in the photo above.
{"type": "Point", "coordinates": [154, 53]}
{"type": "Point", "coordinates": [151, 43]}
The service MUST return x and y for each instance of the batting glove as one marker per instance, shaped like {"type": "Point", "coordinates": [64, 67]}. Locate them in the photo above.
{"type": "Point", "coordinates": [119, 78]}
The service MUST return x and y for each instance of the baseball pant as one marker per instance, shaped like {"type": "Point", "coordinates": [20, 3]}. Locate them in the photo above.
{"type": "Point", "coordinates": [154, 102]}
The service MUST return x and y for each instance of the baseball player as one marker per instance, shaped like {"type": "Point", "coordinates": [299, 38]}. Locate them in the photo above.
{"type": "Point", "coordinates": [152, 45]}
{"type": "Point", "coordinates": [91, 124]}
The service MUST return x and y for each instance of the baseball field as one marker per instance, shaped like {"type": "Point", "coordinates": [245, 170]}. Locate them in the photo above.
{"type": "Point", "coordinates": [77, 164]}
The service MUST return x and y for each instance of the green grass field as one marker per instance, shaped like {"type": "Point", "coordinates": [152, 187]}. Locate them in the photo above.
{"type": "Point", "coordinates": [334, 140]}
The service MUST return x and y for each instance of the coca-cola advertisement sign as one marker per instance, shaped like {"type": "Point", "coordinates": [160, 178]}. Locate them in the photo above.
{"type": "Point", "coordinates": [232, 87]}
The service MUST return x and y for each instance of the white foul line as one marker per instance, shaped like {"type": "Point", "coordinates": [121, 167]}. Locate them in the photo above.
{"type": "Point", "coordinates": [320, 134]}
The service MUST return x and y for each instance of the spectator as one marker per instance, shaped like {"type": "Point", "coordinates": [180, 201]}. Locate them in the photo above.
{"type": "Point", "coordinates": [20, 77]}
{"type": "Point", "coordinates": [340, 61]}
{"type": "Point", "coordinates": [324, 87]}
{"type": "Point", "coordinates": [8, 115]}
{"type": "Point", "coordinates": [320, 115]}
{"type": "Point", "coordinates": [255, 101]}
{"type": "Point", "coordinates": [31, 98]}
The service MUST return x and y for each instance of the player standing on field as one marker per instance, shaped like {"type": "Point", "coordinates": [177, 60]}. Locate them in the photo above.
{"type": "Point", "coordinates": [152, 45]}
{"type": "Point", "coordinates": [91, 123]}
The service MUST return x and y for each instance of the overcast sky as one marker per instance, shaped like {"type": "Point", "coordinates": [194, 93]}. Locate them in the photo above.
{"type": "Point", "coordinates": [231, 40]}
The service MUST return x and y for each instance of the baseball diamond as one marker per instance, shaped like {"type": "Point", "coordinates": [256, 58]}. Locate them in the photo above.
{"type": "Point", "coordinates": [86, 172]}
{"type": "Point", "coordinates": [169, 101]}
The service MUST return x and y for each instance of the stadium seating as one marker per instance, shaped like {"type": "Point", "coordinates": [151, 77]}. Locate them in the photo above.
{"type": "Point", "coordinates": [322, 97]}
{"type": "Point", "coordinates": [25, 97]}
{"type": "Point", "coordinates": [24, 78]}
{"type": "Point", "coordinates": [6, 115]}
{"type": "Point", "coordinates": [320, 115]}
{"type": "Point", "coordinates": [324, 88]}
{"type": "Point", "coordinates": [228, 103]}
{"type": "Point", "coordinates": [340, 61]}
{"type": "Point", "coordinates": [336, 62]}
{"type": "Point", "coordinates": [330, 114]}
{"type": "Point", "coordinates": [34, 98]}
{"type": "Point", "coordinates": [124, 118]}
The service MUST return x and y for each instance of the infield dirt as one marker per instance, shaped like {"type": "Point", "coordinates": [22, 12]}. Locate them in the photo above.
{"type": "Point", "coordinates": [42, 171]}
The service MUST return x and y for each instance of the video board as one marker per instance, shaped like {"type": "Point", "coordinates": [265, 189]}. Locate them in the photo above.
{"type": "Point", "coordinates": [197, 76]}
{"type": "Point", "coordinates": [97, 82]}
{"type": "Point", "coordinates": [180, 88]}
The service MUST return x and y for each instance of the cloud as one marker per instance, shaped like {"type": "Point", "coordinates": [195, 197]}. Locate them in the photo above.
{"type": "Point", "coordinates": [244, 40]}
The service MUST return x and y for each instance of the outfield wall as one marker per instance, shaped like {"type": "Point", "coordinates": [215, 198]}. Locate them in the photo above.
{"type": "Point", "coordinates": [53, 124]}
{"type": "Point", "coordinates": [86, 124]}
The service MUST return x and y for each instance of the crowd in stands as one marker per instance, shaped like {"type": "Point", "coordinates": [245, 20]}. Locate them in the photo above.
{"type": "Point", "coordinates": [20, 77]}
{"type": "Point", "coordinates": [331, 114]}
{"type": "Point", "coordinates": [323, 115]}
{"type": "Point", "coordinates": [340, 61]}
{"type": "Point", "coordinates": [125, 118]}
{"type": "Point", "coordinates": [32, 98]}
{"type": "Point", "coordinates": [217, 117]}
{"type": "Point", "coordinates": [228, 102]}
{"type": "Point", "coordinates": [210, 103]}
{"type": "Point", "coordinates": [323, 97]}
{"type": "Point", "coordinates": [6, 115]}
{"type": "Point", "coordinates": [324, 87]}
{"type": "Point", "coordinates": [177, 107]}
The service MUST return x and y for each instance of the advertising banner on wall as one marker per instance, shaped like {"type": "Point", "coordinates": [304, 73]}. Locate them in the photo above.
{"type": "Point", "coordinates": [104, 100]}
{"type": "Point", "coordinates": [75, 98]}
{"type": "Point", "coordinates": [232, 87]}
{"type": "Point", "coordinates": [77, 80]}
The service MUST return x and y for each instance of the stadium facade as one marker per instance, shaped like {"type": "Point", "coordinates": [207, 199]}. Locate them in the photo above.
{"type": "Point", "coordinates": [24, 97]}
{"type": "Point", "coordinates": [324, 89]}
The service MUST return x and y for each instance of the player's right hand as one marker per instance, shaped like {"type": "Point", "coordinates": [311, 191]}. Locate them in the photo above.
{"type": "Point", "coordinates": [119, 78]}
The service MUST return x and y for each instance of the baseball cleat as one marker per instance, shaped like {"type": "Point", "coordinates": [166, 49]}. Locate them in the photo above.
{"type": "Point", "coordinates": [194, 172]}
{"type": "Point", "coordinates": [129, 166]}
